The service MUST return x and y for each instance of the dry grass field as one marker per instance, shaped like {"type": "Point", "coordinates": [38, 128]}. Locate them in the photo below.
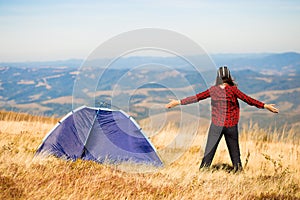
{"type": "Point", "coordinates": [272, 168]}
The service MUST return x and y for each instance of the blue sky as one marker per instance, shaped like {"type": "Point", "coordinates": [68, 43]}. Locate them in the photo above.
{"type": "Point", "coordinates": [51, 30]}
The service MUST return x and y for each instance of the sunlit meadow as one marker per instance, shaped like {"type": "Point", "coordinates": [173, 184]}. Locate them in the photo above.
{"type": "Point", "coordinates": [270, 157]}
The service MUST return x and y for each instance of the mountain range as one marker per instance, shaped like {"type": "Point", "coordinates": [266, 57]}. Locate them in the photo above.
{"type": "Point", "coordinates": [55, 87]}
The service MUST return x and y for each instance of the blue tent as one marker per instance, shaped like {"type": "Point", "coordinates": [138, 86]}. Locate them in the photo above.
{"type": "Point", "coordinates": [99, 134]}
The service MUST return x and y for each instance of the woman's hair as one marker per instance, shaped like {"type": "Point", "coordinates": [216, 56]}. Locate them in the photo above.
{"type": "Point", "coordinates": [224, 76]}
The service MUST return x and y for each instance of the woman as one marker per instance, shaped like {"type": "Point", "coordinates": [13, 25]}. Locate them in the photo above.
{"type": "Point", "coordinates": [225, 115]}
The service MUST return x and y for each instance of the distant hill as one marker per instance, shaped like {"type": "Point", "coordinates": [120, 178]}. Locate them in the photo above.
{"type": "Point", "coordinates": [38, 64]}
{"type": "Point", "coordinates": [282, 62]}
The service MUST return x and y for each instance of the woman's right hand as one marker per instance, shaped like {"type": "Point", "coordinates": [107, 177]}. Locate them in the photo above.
{"type": "Point", "coordinates": [271, 108]}
{"type": "Point", "coordinates": [172, 103]}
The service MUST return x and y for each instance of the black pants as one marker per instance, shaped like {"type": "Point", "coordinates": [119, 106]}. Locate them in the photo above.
{"type": "Point", "coordinates": [232, 140]}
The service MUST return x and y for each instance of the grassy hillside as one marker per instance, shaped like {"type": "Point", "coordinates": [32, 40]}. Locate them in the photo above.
{"type": "Point", "coordinates": [271, 172]}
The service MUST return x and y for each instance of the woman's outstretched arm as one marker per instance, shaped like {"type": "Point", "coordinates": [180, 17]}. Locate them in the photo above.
{"type": "Point", "coordinates": [188, 100]}
{"type": "Point", "coordinates": [254, 102]}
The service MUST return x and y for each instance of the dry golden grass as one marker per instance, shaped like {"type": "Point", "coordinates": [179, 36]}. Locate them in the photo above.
{"type": "Point", "coordinates": [272, 170]}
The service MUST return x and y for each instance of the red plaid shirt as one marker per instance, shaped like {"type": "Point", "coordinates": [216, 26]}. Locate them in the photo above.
{"type": "Point", "coordinates": [224, 103]}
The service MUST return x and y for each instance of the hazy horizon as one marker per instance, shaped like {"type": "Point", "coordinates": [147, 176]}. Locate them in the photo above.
{"type": "Point", "coordinates": [236, 55]}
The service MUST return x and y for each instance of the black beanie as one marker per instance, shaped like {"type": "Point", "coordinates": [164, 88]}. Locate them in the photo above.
{"type": "Point", "coordinates": [223, 72]}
